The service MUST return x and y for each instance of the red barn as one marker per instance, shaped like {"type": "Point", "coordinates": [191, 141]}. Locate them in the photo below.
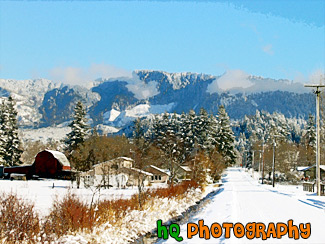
{"type": "Point", "coordinates": [51, 164]}
{"type": "Point", "coordinates": [26, 170]}
{"type": "Point", "coordinates": [47, 164]}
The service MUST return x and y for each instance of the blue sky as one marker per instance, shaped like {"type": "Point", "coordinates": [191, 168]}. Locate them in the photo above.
{"type": "Point", "coordinates": [63, 40]}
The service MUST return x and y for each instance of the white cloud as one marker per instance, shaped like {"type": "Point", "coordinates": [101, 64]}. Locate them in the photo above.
{"type": "Point", "coordinates": [230, 79]}
{"type": "Point", "coordinates": [268, 49]}
{"type": "Point", "coordinates": [80, 76]}
{"type": "Point", "coordinates": [142, 90]}
{"type": "Point", "coordinates": [316, 77]}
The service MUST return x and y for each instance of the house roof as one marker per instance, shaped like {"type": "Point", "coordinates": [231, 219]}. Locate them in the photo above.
{"type": "Point", "coordinates": [60, 157]}
{"type": "Point", "coordinates": [304, 168]}
{"type": "Point", "coordinates": [141, 171]}
{"type": "Point", "coordinates": [160, 170]}
{"type": "Point", "coordinates": [113, 161]}
{"type": "Point", "coordinates": [186, 168]}
{"type": "Point", "coordinates": [126, 158]}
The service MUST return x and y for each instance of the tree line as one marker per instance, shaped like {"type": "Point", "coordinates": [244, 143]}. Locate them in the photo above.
{"type": "Point", "coordinates": [202, 142]}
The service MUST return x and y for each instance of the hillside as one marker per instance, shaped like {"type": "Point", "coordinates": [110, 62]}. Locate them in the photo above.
{"type": "Point", "coordinates": [43, 103]}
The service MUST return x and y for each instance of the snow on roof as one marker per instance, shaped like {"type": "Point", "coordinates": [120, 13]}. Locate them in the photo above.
{"type": "Point", "coordinates": [186, 168]}
{"type": "Point", "coordinates": [60, 157]}
{"type": "Point", "coordinates": [126, 158]}
{"type": "Point", "coordinates": [113, 160]}
{"type": "Point", "coordinates": [304, 168]}
{"type": "Point", "coordinates": [142, 171]}
{"type": "Point", "coordinates": [159, 169]}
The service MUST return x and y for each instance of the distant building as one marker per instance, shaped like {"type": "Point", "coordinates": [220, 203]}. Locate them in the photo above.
{"type": "Point", "coordinates": [111, 173]}
{"type": "Point", "coordinates": [47, 164]}
{"type": "Point", "coordinates": [158, 175]}
{"type": "Point", "coordinates": [184, 172]}
{"type": "Point", "coordinates": [136, 176]}
{"type": "Point", "coordinates": [119, 172]}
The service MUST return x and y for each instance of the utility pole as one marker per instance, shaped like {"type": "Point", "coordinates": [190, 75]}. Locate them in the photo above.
{"type": "Point", "coordinates": [260, 161]}
{"type": "Point", "coordinates": [317, 92]}
{"type": "Point", "coordinates": [273, 166]}
{"type": "Point", "coordinates": [253, 164]}
{"type": "Point", "coordinates": [263, 164]}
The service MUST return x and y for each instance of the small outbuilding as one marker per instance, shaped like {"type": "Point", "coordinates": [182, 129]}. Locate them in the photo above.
{"type": "Point", "coordinates": [309, 172]}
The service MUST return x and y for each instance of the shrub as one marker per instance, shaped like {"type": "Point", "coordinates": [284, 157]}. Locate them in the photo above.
{"type": "Point", "coordinates": [18, 220]}
{"type": "Point", "coordinates": [68, 215]}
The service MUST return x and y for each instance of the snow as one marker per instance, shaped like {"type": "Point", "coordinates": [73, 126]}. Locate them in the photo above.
{"type": "Point", "coordinates": [110, 115]}
{"type": "Point", "coordinates": [28, 95]}
{"type": "Point", "coordinates": [42, 193]}
{"type": "Point", "coordinates": [60, 157]}
{"type": "Point", "coordinates": [44, 134]}
{"type": "Point", "coordinates": [177, 80]}
{"type": "Point", "coordinates": [138, 111]}
{"type": "Point", "coordinates": [106, 129]}
{"type": "Point", "coordinates": [137, 222]}
{"type": "Point", "coordinates": [242, 199]}
{"type": "Point", "coordinates": [143, 110]}
{"type": "Point", "coordinates": [159, 169]}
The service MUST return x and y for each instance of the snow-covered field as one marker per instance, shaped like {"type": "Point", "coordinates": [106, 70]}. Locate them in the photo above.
{"type": "Point", "coordinates": [242, 199]}
{"type": "Point", "coordinates": [42, 193]}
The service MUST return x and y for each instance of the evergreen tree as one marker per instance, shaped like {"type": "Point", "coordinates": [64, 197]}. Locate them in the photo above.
{"type": "Point", "coordinates": [10, 148]}
{"type": "Point", "coordinates": [79, 128]}
{"type": "Point", "coordinates": [203, 129]}
{"type": "Point", "coordinates": [190, 132]}
{"type": "Point", "coordinates": [310, 136]}
{"type": "Point", "coordinates": [226, 137]}
{"type": "Point", "coordinates": [2, 134]}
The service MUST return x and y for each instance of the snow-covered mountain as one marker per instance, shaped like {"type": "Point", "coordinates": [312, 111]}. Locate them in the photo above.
{"type": "Point", "coordinates": [115, 103]}
{"type": "Point", "coordinates": [29, 95]}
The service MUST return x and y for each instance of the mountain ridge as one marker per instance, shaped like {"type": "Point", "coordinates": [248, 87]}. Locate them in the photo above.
{"type": "Point", "coordinates": [42, 102]}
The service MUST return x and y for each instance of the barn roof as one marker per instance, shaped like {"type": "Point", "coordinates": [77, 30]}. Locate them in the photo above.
{"type": "Point", "coordinates": [60, 157]}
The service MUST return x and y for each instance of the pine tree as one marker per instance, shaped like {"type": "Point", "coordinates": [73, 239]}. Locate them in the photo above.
{"type": "Point", "coordinates": [311, 132]}
{"type": "Point", "coordinates": [226, 137]}
{"type": "Point", "coordinates": [203, 129]}
{"type": "Point", "coordinates": [10, 144]}
{"type": "Point", "coordinates": [190, 132]}
{"type": "Point", "coordinates": [2, 134]}
{"type": "Point", "coordinates": [79, 128]}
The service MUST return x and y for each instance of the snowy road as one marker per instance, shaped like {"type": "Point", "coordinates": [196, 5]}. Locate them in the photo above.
{"type": "Point", "coordinates": [242, 199]}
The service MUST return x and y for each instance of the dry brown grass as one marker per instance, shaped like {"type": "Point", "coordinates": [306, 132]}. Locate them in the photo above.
{"type": "Point", "coordinates": [70, 215]}
{"type": "Point", "coordinates": [18, 220]}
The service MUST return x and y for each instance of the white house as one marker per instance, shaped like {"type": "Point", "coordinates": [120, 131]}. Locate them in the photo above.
{"type": "Point", "coordinates": [108, 174]}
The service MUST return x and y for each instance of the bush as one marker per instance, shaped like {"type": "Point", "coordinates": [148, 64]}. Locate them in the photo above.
{"type": "Point", "coordinates": [18, 220]}
{"type": "Point", "coordinates": [68, 215]}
